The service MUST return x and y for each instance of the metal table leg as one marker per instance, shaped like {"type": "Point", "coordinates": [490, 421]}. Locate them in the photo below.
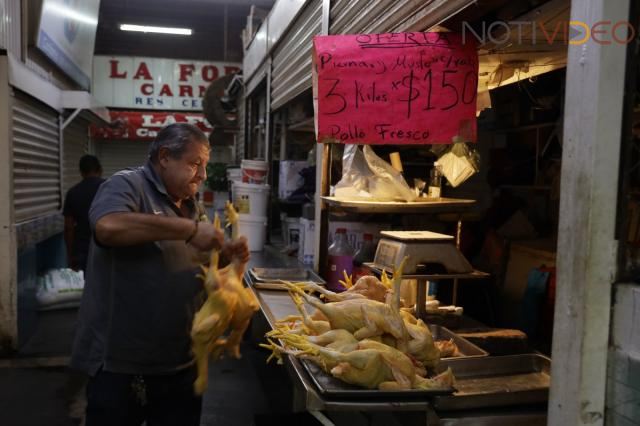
{"type": "Point", "coordinates": [454, 298]}
{"type": "Point", "coordinates": [421, 299]}
{"type": "Point", "coordinates": [319, 415]}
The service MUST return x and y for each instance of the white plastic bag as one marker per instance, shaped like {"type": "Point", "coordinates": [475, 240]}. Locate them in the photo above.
{"type": "Point", "coordinates": [458, 163]}
{"type": "Point", "coordinates": [60, 287]}
{"type": "Point", "coordinates": [386, 183]}
{"type": "Point", "coordinates": [354, 183]}
{"type": "Point", "coordinates": [365, 176]}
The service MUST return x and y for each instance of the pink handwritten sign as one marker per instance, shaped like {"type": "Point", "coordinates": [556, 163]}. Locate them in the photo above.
{"type": "Point", "coordinates": [399, 88]}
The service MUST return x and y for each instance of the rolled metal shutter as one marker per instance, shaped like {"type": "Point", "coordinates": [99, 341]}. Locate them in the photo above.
{"type": "Point", "coordinates": [75, 140]}
{"type": "Point", "coordinates": [117, 155]}
{"type": "Point", "coordinates": [291, 66]}
{"type": "Point", "coordinates": [240, 139]}
{"type": "Point", "coordinates": [383, 16]}
{"type": "Point", "coordinates": [257, 78]}
{"type": "Point", "coordinates": [36, 159]}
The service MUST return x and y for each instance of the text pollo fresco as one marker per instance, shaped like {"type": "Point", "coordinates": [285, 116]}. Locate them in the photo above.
{"type": "Point", "coordinates": [413, 88]}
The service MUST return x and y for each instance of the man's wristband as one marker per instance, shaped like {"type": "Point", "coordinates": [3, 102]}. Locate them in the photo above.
{"type": "Point", "coordinates": [193, 234]}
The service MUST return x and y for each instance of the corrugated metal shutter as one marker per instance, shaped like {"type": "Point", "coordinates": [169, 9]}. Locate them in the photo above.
{"type": "Point", "coordinates": [253, 83]}
{"type": "Point", "coordinates": [117, 155]}
{"type": "Point", "coordinates": [75, 145]}
{"type": "Point", "coordinates": [10, 26]}
{"type": "Point", "coordinates": [383, 16]}
{"type": "Point", "coordinates": [291, 67]}
{"type": "Point", "coordinates": [36, 159]}
{"type": "Point", "coordinates": [240, 140]}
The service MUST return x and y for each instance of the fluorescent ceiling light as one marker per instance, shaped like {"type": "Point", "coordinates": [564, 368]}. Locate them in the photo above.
{"type": "Point", "coordinates": [159, 30]}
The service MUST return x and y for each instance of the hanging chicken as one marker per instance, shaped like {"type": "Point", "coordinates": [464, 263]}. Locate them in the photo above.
{"type": "Point", "coordinates": [229, 307]}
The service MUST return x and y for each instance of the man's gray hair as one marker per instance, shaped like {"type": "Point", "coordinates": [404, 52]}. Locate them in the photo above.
{"type": "Point", "coordinates": [175, 138]}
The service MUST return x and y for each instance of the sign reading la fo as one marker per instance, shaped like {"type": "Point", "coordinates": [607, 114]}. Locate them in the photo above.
{"type": "Point", "coordinates": [155, 83]}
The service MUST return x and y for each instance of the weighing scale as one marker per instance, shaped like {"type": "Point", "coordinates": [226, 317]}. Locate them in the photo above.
{"type": "Point", "coordinates": [429, 252]}
{"type": "Point", "coordinates": [432, 257]}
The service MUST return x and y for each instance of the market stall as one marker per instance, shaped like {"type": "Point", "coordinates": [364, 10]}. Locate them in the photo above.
{"type": "Point", "coordinates": [354, 108]}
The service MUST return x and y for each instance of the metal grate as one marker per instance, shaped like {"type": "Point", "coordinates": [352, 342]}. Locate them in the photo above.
{"type": "Point", "coordinates": [382, 16]}
{"type": "Point", "coordinates": [75, 145]}
{"type": "Point", "coordinates": [291, 67]}
{"type": "Point", "coordinates": [36, 159]}
{"type": "Point", "coordinates": [121, 154]}
{"type": "Point", "coordinates": [10, 26]}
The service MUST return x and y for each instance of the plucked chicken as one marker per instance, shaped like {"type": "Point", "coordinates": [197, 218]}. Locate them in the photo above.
{"type": "Point", "coordinates": [228, 307]}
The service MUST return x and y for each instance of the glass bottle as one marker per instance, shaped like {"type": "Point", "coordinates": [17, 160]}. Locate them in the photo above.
{"type": "Point", "coordinates": [435, 183]}
{"type": "Point", "coordinates": [340, 260]}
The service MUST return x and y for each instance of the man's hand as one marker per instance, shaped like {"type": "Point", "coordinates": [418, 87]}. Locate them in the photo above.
{"type": "Point", "coordinates": [207, 238]}
{"type": "Point", "coordinates": [237, 249]}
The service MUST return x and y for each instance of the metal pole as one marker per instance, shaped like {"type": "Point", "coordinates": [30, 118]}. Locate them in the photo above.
{"type": "Point", "coordinates": [454, 298]}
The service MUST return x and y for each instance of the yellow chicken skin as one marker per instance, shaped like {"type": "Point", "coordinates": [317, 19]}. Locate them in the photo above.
{"type": "Point", "coordinates": [363, 317]}
{"type": "Point", "coordinates": [229, 307]}
{"type": "Point", "coordinates": [370, 364]}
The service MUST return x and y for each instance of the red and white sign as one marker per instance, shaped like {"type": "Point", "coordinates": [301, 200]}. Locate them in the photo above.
{"type": "Point", "coordinates": [145, 125]}
{"type": "Point", "coordinates": [155, 83]}
{"type": "Point", "coordinates": [399, 88]}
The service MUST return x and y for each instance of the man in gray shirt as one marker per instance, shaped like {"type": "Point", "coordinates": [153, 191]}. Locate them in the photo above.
{"type": "Point", "coordinates": [141, 288]}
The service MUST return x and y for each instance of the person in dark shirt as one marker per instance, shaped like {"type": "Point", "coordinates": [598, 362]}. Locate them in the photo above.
{"type": "Point", "coordinates": [77, 234]}
{"type": "Point", "coordinates": [142, 289]}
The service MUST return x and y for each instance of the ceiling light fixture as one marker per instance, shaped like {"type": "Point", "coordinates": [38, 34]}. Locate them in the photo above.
{"type": "Point", "coordinates": [158, 30]}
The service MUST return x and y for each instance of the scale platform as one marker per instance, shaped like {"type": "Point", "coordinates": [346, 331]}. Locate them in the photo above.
{"type": "Point", "coordinates": [429, 253]}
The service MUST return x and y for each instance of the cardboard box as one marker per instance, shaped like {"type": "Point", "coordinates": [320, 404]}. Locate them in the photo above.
{"type": "Point", "coordinates": [289, 178]}
{"type": "Point", "coordinates": [307, 247]}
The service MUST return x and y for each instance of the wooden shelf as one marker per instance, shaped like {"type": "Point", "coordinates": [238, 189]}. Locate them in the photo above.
{"type": "Point", "coordinates": [474, 275]}
{"type": "Point", "coordinates": [427, 206]}
{"type": "Point", "coordinates": [528, 187]}
{"type": "Point", "coordinates": [524, 128]}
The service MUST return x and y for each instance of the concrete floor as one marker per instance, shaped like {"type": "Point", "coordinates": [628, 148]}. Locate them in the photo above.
{"type": "Point", "coordinates": [37, 389]}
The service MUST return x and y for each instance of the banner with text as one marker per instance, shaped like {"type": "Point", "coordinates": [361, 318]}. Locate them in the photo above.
{"type": "Point", "coordinates": [399, 88]}
{"type": "Point", "coordinates": [155, 83]}
{"type": "Point", "coordinates": [144, 126]}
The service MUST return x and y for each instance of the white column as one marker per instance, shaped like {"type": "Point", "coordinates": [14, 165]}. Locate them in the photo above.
{"type": "Point", "coordinates": [586, 242]}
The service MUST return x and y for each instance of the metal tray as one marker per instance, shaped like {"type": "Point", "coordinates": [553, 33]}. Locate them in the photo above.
{"type": "Point", "coordinates": [465, 347]}
{"type": "Point", "coordinates": [496, 381]}
{"type": "Point", "coordinates": [287, 274]}
{"type": "Point", "coordinates": [331, 387]}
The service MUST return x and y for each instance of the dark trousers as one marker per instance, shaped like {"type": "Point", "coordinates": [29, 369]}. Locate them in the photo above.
{"type": "Point", "coordinates": [115, 399]}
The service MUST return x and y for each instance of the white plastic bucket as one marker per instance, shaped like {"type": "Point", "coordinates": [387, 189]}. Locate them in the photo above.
{"type": "Point", "coordinates": [254, 171]}
{"type": "Point", "coordinates": [234, 174]}
{"type": "Point", "coordinates": [250, 199]}
{"type": "Point", "coordinates": [255, 229]}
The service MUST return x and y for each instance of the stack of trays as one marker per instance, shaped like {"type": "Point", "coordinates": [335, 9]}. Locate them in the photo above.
{"type": "Point", "coordinates": [272, 278]}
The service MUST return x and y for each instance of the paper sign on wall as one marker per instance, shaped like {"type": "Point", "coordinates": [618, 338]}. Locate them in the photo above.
{"type": "Point", "coordinates": [399, 88]}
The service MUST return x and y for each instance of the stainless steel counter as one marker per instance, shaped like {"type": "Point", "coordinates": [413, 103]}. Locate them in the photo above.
{"type": "Point", "coordinates": [277, 304]}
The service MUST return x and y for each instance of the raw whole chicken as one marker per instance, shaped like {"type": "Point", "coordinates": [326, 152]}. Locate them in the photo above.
{"type": "Point", "coordinates": [367, 287]}
{"type": "Point", "coordinates": [366, 318]}
{"type": "Point", "coordinates": [229, 307]}
{"type": "Point", "coordinates": [361, 316]}
{"type": "Point", "coordinates": [370, 364]}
